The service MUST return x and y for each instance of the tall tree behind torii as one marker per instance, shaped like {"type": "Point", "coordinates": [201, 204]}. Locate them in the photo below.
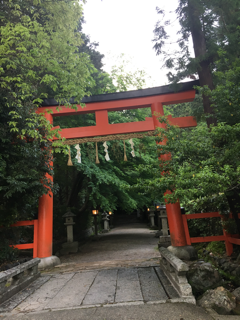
{"type": "Point", "coordinates": [212, 24]}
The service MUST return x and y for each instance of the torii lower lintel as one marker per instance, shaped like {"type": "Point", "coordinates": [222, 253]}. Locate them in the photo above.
{"type": "Point", "coordinates": [104, 128]}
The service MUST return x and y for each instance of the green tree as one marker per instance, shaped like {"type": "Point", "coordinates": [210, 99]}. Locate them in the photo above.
{"type": "Point", "coordinates": [103, 82]}
{"type": "Point", "coordinates": [38, 55]}
{"type": "Point", "coordinates": [105, 185]}
{"type": "Point", "coordinates": [204, 171]}
{"type": "Point", "coordinates": [124, 76]}
{"type": "Point", "coordinates": [211, 25]}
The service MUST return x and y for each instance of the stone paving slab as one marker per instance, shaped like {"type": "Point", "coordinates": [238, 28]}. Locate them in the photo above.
{"type": "Point", "coordinates": [103, 288]}
{"type": "Point", "coordinates": [152, 288]}
{"type": "Point", "coordinates": [167, 311]}
{"type": "Point", "coordinates": [77, 287]}
{"type": "Point", "coordinates": [128, 286]}
{"type": "Point", "coordinates": [171, 292]}
{"type": "Point", "coordinates": [96, 287]}
{"type": "Point", "coordinates": [22, 295]}
{"type": "Point", "coordinates": [42, 296]}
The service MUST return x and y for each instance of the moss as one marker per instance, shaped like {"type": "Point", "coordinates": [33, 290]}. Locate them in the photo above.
{"type": "Point", "coordinates": [234, 279]}
{"type": "Point", "coordinates": [236, 311]}
{"type": "Point", "coordinates": [216, 247]}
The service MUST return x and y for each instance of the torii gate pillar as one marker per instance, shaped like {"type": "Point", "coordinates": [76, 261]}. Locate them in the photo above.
{"type": "Point", "coordinates": [175, 222]}
{"type": "Point", "coordinates": [178, 239]}
{"type": "Point", "coordinates": [45, 225]}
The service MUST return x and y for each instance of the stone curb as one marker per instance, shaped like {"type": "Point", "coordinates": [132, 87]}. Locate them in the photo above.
{"type": "Point", "coordinates": [178, 264]}
{"type": "Point", "coordinates": [17, 278]}
{"type": "Point", "coordinates": [5, 275]}
{"type": "Point", "coordinates": [175, 270]}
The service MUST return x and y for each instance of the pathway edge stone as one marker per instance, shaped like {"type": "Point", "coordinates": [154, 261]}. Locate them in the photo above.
{"type": "Point", "coordinates": [176, 270]}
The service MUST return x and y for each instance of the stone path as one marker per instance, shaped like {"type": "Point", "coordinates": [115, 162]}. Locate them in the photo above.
{"type": "Point", "coordinates": [126, 245]}
{"type": "Point", "coordinates": [115, 277]}
{"type": "Point", "coordinates": [94, 288]}
{"type": "Point", "coordinates": [117, 268]}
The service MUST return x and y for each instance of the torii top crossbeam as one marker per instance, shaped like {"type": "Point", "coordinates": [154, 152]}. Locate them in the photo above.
{"type": "Point", "coordinates": [101, 104]}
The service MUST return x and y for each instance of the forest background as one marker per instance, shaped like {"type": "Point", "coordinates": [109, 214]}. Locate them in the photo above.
{"type": "Point", "coordinates": [43, 54]}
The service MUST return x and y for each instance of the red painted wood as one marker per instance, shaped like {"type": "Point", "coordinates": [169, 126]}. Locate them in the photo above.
{"type": "Point", "coordinates": [207, 239]}
{"type": "Point", "coordinates": [229, 239]}
{"type": "Point", "coordinates": [183, 122]}
{"type": "Point", "coordinates": [176, 228]}
{"type": "Point", "coordinates": [175, 222]}
{"type": "Point", "coordinates": [45, 224]}
{"type": "Point", "coordinates": [102, 128]}
{"type": "Point", "coordinates": [35, 239]}
{"type": "Point", "coordinates": [207, 215]}
{"type": "Point", "coordinates": [118, 105]}
{"type": "Point", "coordinates": [228, 245]}
{"type": "Point", "coordinates": [234, 240]}
{"type": "Point", "coordinates": [235, 236]}
{"type": "Point", "coordinates": [203, 215]}
{"type": "Point", "coordinates": [101, 119]}
{"type": "Point", "coordinates": [23, 246]}
{"type": "Point", "coordinates": [23, 223]}
{"type": "Point", "coordinates": [45, 218]}
{"type": "Point", "coordinates": [107, 129]}
{"type": "Point", "coordinates": [186, 230]}
{"type": "Point", "coordinates": [231, 215]}
{"type": "Point", "coordinates": [35, 236]}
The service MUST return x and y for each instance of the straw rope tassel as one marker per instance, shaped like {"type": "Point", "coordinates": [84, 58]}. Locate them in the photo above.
{"type": "Point", "coordinates": [132, 146]}
{"type": "Point", "coordinates": [97, 160]}
{"type": "Point", "coordinates": [125, 156]}
{"type": "Point", "coordinates": [69, 158]}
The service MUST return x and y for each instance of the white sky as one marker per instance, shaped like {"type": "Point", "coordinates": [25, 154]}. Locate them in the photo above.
{"type": "Point", "coordinates": [126, 26]}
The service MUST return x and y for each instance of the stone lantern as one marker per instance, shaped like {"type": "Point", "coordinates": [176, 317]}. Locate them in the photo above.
{"type": "Point", "coordinates": [151, 216]}
{"type": "Point", "coordinates": [110, 213]}
{"type": "Point", "coordinates": [105, 222]}
{"type": "Point", "coordinates": [164, 236]}
{"type": "Point", "coordinates": [70, 246]}
{"type": "Point", "coordinates": [95, 214]}
{"type": "Point", "coordinates": [159, 232]}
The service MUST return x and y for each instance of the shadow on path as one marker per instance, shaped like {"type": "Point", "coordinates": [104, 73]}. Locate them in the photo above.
{"type": "Point", "coordinates": [130, 243]}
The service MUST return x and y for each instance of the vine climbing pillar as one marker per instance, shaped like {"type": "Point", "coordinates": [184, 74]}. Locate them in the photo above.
{"type": "Point", "coordinates": [177, 233]}
{"type": "Point", "coordinates": [45, 224]}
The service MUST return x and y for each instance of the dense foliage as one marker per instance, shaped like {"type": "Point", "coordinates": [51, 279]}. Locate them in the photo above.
{"type": "Point", "coordinates": [211, 25]}
{"type": "Point", "coordinates": [105, 186]}
{"type": "Point", "coordinates": [43, 53]}
{"type": "Point", "coordinates": [203, 171]}
{"type": "Point", "coordinates": [38, 58]}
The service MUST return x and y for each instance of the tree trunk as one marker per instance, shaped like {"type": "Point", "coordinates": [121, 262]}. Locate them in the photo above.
{"type": "Point", "coordinates": [77, 185]}
{"type": "Point", "coordinates": [234, 204]}
{"type": "Point", "coordinates": [199, 44]}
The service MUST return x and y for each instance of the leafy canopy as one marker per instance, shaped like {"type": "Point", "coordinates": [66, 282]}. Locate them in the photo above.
{"type": "Point", "coordinates": [39, 58]}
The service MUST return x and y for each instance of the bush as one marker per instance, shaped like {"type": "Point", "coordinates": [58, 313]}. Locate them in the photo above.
{"type": "Point", "coordinates": [216, 247]}
{"type": "Point", "coordinates": [205, 227]}
{"type": "Point", "coordinates": [7, 253]}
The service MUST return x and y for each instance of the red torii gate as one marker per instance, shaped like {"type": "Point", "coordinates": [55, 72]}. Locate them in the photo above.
{"type": "Point", "coordinates": [100, 105]}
